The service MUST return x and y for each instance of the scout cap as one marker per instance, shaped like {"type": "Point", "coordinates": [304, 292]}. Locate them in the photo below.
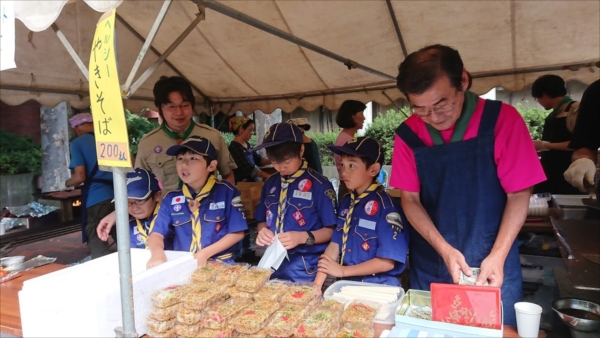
{"type": "Point", "coordinates": [140, 184]}
{"type": "Point", "coordinates": [196, 144]}
{"type": "Point", "coordinates": [280, 133]}
{"type": "Point", "coordinates": [301, 122]}
{"type": "Point", "coordinates": [81, 118]}
{"type": "Point", "coordinates": [361, 147]}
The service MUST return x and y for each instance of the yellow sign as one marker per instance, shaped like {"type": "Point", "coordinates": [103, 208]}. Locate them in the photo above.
{"type": "Point", "coordinates": [110, 128]}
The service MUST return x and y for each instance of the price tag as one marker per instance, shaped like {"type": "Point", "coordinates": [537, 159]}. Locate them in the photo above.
{"type": "Point", "coordinates": [110, 128]}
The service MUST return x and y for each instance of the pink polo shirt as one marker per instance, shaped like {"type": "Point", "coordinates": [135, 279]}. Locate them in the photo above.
{"type": "Point", "coordinates": [518, 164]}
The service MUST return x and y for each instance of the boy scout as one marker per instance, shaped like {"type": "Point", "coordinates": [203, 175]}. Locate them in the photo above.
{"type": "Point", "coordinates": [206, 216]}
{"type": "Point", "coordinates": [143, 194]}
{"type": "Point", "coordinates": [298, 204]}
{"type": "Point", "coordinates": [372, 235]}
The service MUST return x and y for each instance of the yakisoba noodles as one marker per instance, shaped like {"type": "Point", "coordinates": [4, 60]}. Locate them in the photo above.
{"type": "Point", "coordinates": [164, 313]}
{"type": "Point", "coordinates": [229, 273]}
{"type": "Point", "coordinates": [216, 316]}
{"type": "Point", "coordinates": [187, 330]}
{"type": "Point", "coordinates": [359, 313]}
{"type": "Point", "coordinates": [318, 324]}
{"type": "Point", "coordinates": [224, 333]}
{"type": "Point", "coordinates": [273, 290]}
{"type": "Point", "coordinates": [253, 279]}
{"type": "Point", "coordinates": [167, 334]}
{"type": "Point", "coordinates": [299, 294]}
{"type": "Point", "coordinates": [201, 298]}
{"type": "Point", "coordinates": [206, 273]}
{"type": "Point", "coordinates": [160, 326]}
{"type": "Point", "coordinates": [355, 331]}
{"type": "Point", "coordinates": [235, 293]}
{"type": "Point", "coordinates": [188, 316]}
{"type": "Point", "coordinates": [168, 296]}
{"type": "Point", "coordinates": [333, 306]}
{"type": "Point", "coordinates": [259, 334]}
{"type": "Point", "coordinates": [284, 322]}
{"type": "Point", "coordinates": [254, 317]}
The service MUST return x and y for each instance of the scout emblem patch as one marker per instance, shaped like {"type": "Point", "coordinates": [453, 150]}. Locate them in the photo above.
{"type": "Point", "coordinates": [393, 218]}
{"type": "Point", "coordinates": [177, 207]}
{"type": "Point", "coordinates": [299, 218]}
{"type": "Point", "coordinates": [177, 199]}
{"type": "Point", "coordinates": [269, 218]}
{"type": "Point", "coordinates": [365, 246]}
{"type": "Point", "coordinates": [218, 227]}
{"type": "Point", "coordinates": [272, 191]}
{"type": "Point", "coordinates": [305, 185]}
{"type": "Point", "coordinates": [371, 208]}
{"type": "Point", "coordinates": [236, 202]}
{"type": "Point", "coordinates": [157, 149]}
{"type": "Point", "coordinates": [344, 212]}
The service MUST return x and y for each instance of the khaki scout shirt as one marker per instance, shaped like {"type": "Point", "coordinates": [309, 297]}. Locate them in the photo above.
{"type": "Point", "coordinates": [153, 148]}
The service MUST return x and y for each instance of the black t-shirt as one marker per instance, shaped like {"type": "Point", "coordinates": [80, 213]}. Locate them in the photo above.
{"type": "Point", "coordinates": [587, 133]}
{"type": "Point", "coordinates": [311, 155]}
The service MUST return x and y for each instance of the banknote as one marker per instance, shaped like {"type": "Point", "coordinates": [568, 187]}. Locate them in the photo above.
{"type": "Point", "coordinates": [466, 280]}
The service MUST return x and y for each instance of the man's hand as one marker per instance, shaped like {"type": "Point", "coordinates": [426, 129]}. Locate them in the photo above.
{"type": "Point", "coordinates": [455, 262]}
{"type": "Point", "coordinates": [582, 169]}
{"type": "Point", "coordinates": [156, 258]}
{"type": "Point", "coordinates": [492, 271]}
{"type": "Point", "coordinates": [62, 186]}
{"type": "Point", "coordinates": [540, 145]}
{"type": "Point", "coordinates": [328, 266]}
{"type": "Point", "coordinates": [265, 237]}
{"type": "Point", "coordinates": [292, 239]}
{"type": "Point", "coordinates": [201, 258]}
{"type": "Point", "coordinates": [103, 229]}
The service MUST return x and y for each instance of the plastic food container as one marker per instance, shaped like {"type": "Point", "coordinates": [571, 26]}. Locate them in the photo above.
{"type": "Point", "coordinates": [386, 311]}
{"type": "Point", "coordinates": [301, 293]}
{"type": "Point", "coordinates": [253, 279]}
{"type": "Point", "coordinates": [360, 312]}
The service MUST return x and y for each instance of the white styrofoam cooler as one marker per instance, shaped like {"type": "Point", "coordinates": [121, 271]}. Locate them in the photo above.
{"type": "Point", "coordinates": [85, 300]}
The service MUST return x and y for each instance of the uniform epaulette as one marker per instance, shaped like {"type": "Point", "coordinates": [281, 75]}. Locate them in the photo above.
{"type": "Point", "coordinates": [316, 175]}
{"type": "Point", "coordinates": [168, 192]}
{"type": "Point", "coordinates": [205, 126]}
{"type": "Point", "coordinates": [272, 177]}
{"type": "Point", "coordinates": [150, 133]}
{"type": "Point", "coordinates": [227, 184]}
{"type": "Point", "coordinates": [385, 197]}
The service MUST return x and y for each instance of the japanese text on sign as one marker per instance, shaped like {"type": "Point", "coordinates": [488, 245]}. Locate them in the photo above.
{"type": "Point", "coordinates": [110, 128]}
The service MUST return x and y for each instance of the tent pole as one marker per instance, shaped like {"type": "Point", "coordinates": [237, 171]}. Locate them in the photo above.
{"type": "Point", "coordinates": [157, 22]}
{"type": "Point", "coordinates": [232, 13]}
{"type": "Point", "coordinates": [70, 49]}
{"type": "Point", "coordinates": [397, 27]}
{"type": "Point", "coordinates": [165, 55]}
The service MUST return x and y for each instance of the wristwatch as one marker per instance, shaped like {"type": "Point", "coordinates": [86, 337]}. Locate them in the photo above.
{"type": "Point", "coordinates": [311, 239]}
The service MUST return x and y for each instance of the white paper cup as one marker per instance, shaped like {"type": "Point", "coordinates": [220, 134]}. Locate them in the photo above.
{"type": "Point", "coordinates": [528, 319]}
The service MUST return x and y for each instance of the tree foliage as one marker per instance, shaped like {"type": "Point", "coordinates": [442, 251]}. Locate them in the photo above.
{"type": "Point", "coordinates": [323, 140]}
{"type": "Point", "coordinates": [137, 127]}
{"type": "Point", "coordinates": [383, 129]}
{"type": "Point", "coordinates": [534, 118]}
{"type": "Point", "coordinates": [19, 154]}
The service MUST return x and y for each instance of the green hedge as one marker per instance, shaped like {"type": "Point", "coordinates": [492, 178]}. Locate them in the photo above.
{"type": "Point", "coordinates": [323, 140]}
{"type": "Point", "coordinates": [18, 154]}
{"type": "Point", "coordinates": [534, 118]}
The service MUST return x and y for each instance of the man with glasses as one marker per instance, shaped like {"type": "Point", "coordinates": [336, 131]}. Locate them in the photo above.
{"type": "Point", "coordinates": [466, 167]}
{"type": "Point", "coordinates": [175, 102]}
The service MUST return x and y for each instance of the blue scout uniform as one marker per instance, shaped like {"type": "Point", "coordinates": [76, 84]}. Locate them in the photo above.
{"type": "Point", "coordinates": [472, 233]}
{"type": "Point", "coordinates": [221, 213]}
{"type": "Point", "coordinates": [310, 205]}
{"type": "Point", "coordinates": [139, 238]}
{"type": "Point", "coordinates": [378, 228]}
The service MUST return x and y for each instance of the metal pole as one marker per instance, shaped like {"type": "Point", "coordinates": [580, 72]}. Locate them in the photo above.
{"type": "Point", "coordinates": [157, 22]}
{"type": "Point", "coordinates": [396, 27]}
{"type": "Point", "coordinates": [124, 252]}
{"type": "Point", "coordinates": [232, 13]}
{"type": "Point", "coordinates": [71, 51]}
{"type": "Point", "coordinates": [165, 55]}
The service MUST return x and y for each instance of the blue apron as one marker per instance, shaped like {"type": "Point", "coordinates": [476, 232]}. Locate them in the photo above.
{"type": "Point", "coordinates": [462, 195]}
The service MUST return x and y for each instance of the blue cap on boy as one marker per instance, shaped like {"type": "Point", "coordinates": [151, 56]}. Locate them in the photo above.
{"type": "Point", "coordinates": [196, 144]}
{"type": "Point", "coordinates": [280, 133]}
{"type": "Point", "coordinates": [361, 147]}
{"type": "Point", "coordinates": [140, 183]}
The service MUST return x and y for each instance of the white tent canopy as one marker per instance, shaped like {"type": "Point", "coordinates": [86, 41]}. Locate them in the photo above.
{"type": "Point", "coordinates": [234, 66]}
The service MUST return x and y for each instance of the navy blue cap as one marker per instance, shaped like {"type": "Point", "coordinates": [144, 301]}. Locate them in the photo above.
{"type": "Point", "coordinates": [140, 183]}
{"type": "Point", "coordinates": [196, 144]}
{"type": "Point", "coordinates": [280, 133]}
{"type": "Point", "coordinates": [361, 147]}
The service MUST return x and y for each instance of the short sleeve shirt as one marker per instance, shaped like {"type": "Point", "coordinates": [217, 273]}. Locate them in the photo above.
{"type": "Point", "coordinates": [587, 133]}
{"type": "Point", "coordinates": [152, 154]}
{"type": "Point", "coordinates": [221, 213]}
{"type": "Point", "coordinates": [518, 165]}
{"type": "Point", "coordinates": [137, 240]}
{"type": "Point", "coordinates": [311, 206]}
{"type": "Point", "coordinates": [378, 229]}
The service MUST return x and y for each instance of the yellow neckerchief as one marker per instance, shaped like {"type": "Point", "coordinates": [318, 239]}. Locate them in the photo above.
{"type": "Point", "coordinates": [355, 201]}
{"type": "Point", "coordinates": [285, 183]}
{"type": "Point", "coordinates": [142, 230]}
{"type": "Point", "coordinates": [194, 205]}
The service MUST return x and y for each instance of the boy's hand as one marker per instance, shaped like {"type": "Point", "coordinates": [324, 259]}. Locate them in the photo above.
{"type": "Point", "coordinates": [157, 258]}
{"type": "Point", "coordinates": [103, 229]}
{"type": "Point", "coordinates": [329, 266]}
{"type": "Point", "coordinates": [292, 239]}
{"type": "Point", "coordinates": [265, 237]}
{"type": "Point", "coordinates": [201, 258]}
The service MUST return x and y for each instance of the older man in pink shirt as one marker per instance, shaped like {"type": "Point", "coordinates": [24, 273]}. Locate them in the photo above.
{"type": "Point", "coordinates": [466, 167]}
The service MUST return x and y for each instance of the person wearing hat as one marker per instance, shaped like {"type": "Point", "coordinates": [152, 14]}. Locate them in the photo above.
{"type": "Point", "coordinates": [206, 216]}
{"type": "Point", "coordinates": [247, 161]}
{"type": "Point", "coordinates": [143, 194]}
{"type": "Point", "coordinates": [466, 167]}
{"type": "Point", "coordinates": [370, 242]}
{"type": "Point", "coordinates": [97, 190]}
{"type": "Point", "coordinates": [175, 102]}
{"type": "Point", "coordinates": [297, 203]}
{"type": "Point", "coordinates": [311, 149]}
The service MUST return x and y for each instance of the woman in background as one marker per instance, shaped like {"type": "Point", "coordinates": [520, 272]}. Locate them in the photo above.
{"type": "Point", "coordinates": [247, 162]}
{"type": "Point", "coordinates": [350, 118]}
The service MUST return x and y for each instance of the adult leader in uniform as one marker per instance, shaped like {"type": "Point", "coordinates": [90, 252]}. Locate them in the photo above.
{"type": "Point", "coordinates": [466, 167]}
{"type": "Point", "coordinates": [175, 102]}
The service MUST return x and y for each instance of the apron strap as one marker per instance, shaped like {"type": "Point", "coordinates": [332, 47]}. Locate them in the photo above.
{"type": "Point", "coordinates": [409, 137]}
{"type": "Point", "coordinates": [491, 111]}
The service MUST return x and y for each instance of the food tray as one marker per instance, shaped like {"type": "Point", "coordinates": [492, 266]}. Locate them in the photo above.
{"type": "Point", "coordinates": [229, 273]}
{"type": "Point", "coordinates": [355, 331]}
{"type": "Point", "coordinates": [386, 311]}
{"type": "Point", "coordinates": [206, 273]}
{"type": "Point", "coordinates": [186, 330]}
{"type": "Point", "coordinates": [164, 313]}
{"type": "Point", "coordinates": [421, 300]}
{"type": "Point", "coordinates": [359, 312]}
{"type": "Point", "coordinates": [272, 290]}
{"type": "Point", "coordinates": [160, 326]}
{"type": "Point", "coordinates": [235, 293]}
{"type": "Point", "coordinates": [224, 333]}
{"type": "Point", "coordinates": [168, 334]}
{"type": "Point", "coordinates": [318, 324]}
{"type": "Point", "coordinates": [168, 296]}
{"type": "Point", "coordinates": [201, 298]}
{"type": "Point", "coordinates": [299, 294]}
{"type": "Point", "coordinates": [188, 316]}
{"type": "Point", "coordinates": [284, 323]}
{"type": "Point", "coordinates": [253, 279]}
{"type": "Point", "coordinates": [216, 316]}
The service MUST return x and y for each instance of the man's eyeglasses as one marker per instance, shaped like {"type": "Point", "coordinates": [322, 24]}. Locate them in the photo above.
{"type": "Point", "coordinates": [439, 110]}
{"type": "Point", "coordinates": [138, 203]}
{"type": "Point", "coordinates": [173, 107]}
